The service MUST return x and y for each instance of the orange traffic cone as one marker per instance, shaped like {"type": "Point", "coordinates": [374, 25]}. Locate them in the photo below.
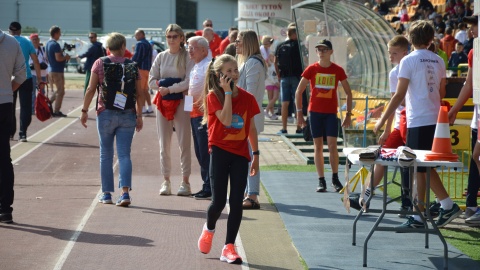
{"type": "Point", "coordinates": [442, 145]}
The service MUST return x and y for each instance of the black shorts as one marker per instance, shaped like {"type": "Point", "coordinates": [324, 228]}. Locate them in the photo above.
{"type": "Point", "coordinates": [421, 138]}
{"type": "Point", "coordinates": [323, 124]}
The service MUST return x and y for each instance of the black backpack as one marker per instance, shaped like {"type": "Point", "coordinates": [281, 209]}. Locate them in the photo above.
{"type": "Point", "coordinates": [112, 82]}
{"type": "Point", "coordinates": [289, 62]}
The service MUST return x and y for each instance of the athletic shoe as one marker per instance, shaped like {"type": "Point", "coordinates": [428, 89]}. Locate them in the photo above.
{"type": "Point", "coordinates": [205, 240]}
{"type": "Point", "coordinates": [299, 131]}
{"type": "Point", "coordinates": [448, 215]}
{"type": "Point", "coordinates": [282, 131]}
{"type": "Point", "coordinates": [469, 212]}
{"type": "Point", "coordinates": [411, 223]}
{"type": "Point", "coordinates": [166, 189]}
{"type": "Point", "coordinates": [434, 209]}
{"type": "Point", "coordinates": [203, 195]}
{"type": "Point", "coordinates": [193, 194]}
{"type": "Point", "coordinates": [336, 184]}
{"type": "Point", "coordinates": [6, 218]}
{"type": "Point", "coordinates": [59, 114]}
{"type": "Point", "coordinates": [22, 139]}
{"type": "Point", "coordinates": [291, 120]}
{"type": "Point", "coordinates": [124, 200]}
{"type": "Point", "coordinates": [106, 198]}
{"type": "Point", "coordinates": [273, 117]}
{"type": "Point", "coordinates": [149, 111]}
{"type": "Point", "coordinates": [474, 219]}
{"type": "Point", "coordinates": [404, 208]}
{"type": "Point", "coordinates": [184, 190]}
{"type": "Point", "coordinates": [230, 255]}
{"type": "Point", "coordinates": [322, 186]}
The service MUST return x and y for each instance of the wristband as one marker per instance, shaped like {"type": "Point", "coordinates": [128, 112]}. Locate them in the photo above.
{"type": "Point", "coordinates": [256, 153]}
{"type": "Point", "coordinates": [299, 110]}
{"type": "Point", "coordinates": [228, 93]}
{"type": "Point", "coordinates": [84, 111]}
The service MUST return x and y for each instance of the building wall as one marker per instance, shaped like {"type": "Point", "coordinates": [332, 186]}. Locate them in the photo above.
{"type": "Point", "coordinates": [74, 16]}
{"type": "Point", "coordinates": [70, 15]}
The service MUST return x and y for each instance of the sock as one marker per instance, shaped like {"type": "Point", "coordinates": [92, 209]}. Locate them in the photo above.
{"type": "Point", "coordinates": [474, 208]}
{"type": "Point", "coordinates": [417, 218]}
{"type": "Point", "coordinates": [144, 109]}
{"type": "Point", "coordinates": [437, 200]}
{"type": "Point", "coordinates": [321, 178]}
{"type": "Point", "coordinates": [206, 228]}
{"type": "Point", "coordinates": [335, 175]}
{"type": "Point", "coordinates": [368, 192]}
{"type": "Point", "coordinates": [447, 203]}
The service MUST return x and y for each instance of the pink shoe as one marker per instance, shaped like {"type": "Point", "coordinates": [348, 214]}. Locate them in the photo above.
{"type": "Point", "coordinates": [205, 240]}
{"type": "Point", "coordinates": [230, 255]}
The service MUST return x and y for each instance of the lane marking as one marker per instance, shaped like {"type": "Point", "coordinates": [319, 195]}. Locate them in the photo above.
{"type": "Point", "coordinates": [239, 245]}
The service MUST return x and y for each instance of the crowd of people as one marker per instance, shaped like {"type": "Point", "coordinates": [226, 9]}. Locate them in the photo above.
{"type": "Point", "coordinates": [455, 39]}
{"type": "Point", "coordinates": [211, 94]}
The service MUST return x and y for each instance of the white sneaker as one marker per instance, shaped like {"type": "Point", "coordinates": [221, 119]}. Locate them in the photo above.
{"type": "Point", "coordinates": [165, 189]}
{"type": "Point", "coordinates": [290, 120]}
{"type": "Point", "coordinates": [184, 190]}
{"type": "Point", "coordinates": [274, 117]}
{"type": "Point", "coordinates": [475, 219]}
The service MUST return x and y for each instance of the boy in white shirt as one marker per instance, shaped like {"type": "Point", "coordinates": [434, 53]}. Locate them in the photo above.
{"type": "Point", "coordinates": [421, 82]}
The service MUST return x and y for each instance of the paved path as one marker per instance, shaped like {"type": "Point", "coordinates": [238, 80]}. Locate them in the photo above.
{"type": "Point", "coordinates": [60, 225]}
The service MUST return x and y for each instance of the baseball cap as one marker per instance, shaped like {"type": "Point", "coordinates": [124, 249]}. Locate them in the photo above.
{"type": "Point", "coordinates": [15, 26]}
{"type": "Point", "coordinates": [324, 43]}
{"type": "Point", "coordinates": [470, 20]}
{"type": "Point", "coordinates": [34, 35]}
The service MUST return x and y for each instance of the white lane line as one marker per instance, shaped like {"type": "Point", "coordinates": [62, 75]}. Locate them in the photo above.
{"type": "Point", "coordinates": [239, 245]}
{"type": "Point", "coordinates": [71, 243]}
{"type": "Point", "coordinates": [42, 142]}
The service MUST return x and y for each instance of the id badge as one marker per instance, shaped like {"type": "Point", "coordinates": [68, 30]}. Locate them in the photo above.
{"type": "Point", "coordinates": [120, 100]}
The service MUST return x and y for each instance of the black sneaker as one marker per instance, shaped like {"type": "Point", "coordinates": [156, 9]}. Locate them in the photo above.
{"type": "Point", "coordinates": [434, 209]}
{"type": "Point", "coordinates": [203, 196]}
{"type": "Point", "coordinates": [448, 215]}
{"type": "Point", "coordinates": [404, 208]}
{"type": "Point", "coordinates": [6, 218]}
{"type": "Point", "coordinates": [322, 185]}
{"type": "Point", "coordinates": [193, 195]}
{"type": "Point", "coordinates": [411, 223]}
{"type": "Point", "coordinates": [282, 131]}
{"type": "Point", "coordinates": [336, 184]}
{"type": "Point", "coordinates": [59, 114]}
{"type": "Point", "coordinates": [299, 131]}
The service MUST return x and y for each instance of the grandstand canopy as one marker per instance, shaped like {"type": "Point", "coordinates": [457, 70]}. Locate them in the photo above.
{"type": "Point", "coordinates": [342, 22]}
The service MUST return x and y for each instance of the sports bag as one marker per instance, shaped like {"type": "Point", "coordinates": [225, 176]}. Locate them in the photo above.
{"type": "Point", "coordinates": [43, 105]}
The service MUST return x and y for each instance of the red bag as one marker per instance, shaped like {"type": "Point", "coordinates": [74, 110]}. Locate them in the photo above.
{"type": "Point", "coordinates": [43, 105]}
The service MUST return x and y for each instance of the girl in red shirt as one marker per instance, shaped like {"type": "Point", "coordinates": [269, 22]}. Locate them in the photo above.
{"type": "Point", "coordinates": [229, 112]}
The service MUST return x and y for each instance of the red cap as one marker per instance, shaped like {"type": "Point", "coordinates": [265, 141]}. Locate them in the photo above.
{"type": "Point", "coordinates": [34, 35]}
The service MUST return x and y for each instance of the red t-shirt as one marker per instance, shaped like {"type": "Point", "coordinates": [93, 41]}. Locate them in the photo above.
{"type": "Point", "coordinates": [323, 85]}
{"type": "Point", "coordinates": [234, 138]}
{"type": "Point", "coordinates": [223, 45]}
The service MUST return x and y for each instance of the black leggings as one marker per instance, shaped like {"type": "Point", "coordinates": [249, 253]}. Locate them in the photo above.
{"type": "Point", "coordinates": [222, 165]}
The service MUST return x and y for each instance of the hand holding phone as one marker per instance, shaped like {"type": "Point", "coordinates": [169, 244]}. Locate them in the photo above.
{"type": "Point", "coordinates": [232, 83]}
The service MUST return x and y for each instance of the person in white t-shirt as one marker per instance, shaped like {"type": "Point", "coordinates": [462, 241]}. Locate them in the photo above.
{"type": "Point", "coordinates": [198, 51]}
{"type": "Point", "coordinates": [398, 48]}
{"type": "Point", "coordinates": [421, 82]}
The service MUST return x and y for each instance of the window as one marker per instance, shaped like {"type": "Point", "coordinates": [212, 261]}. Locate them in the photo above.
{"type": "Point", "coordinates": [187, 14]}
{"type": "Point", "coordinates": [97, 20]}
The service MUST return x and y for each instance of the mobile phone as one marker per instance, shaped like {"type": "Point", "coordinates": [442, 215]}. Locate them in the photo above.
{"type": "Point", "coordinates": [232, 83]}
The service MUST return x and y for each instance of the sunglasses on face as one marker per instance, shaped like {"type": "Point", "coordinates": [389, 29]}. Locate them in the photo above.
{"type": "Point", "coordinates": [172, 37]}
{"type": "Point", "coordinates": [208, 25]}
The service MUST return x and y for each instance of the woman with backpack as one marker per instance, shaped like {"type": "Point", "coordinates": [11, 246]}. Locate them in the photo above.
{"type": "Point", "coordinates": [169, 75]}
{"type": "Point", "coordinates": [253, 71]}
{"type": "Point", "coordinates": [119, 114]}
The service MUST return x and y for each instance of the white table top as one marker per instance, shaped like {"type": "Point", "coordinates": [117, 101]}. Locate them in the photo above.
{"type": "Point", "coordinates": [354, 159]}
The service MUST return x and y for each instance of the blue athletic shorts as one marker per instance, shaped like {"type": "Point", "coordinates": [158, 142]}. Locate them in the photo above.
{"type": "Point", "coordinates": [323, 124]}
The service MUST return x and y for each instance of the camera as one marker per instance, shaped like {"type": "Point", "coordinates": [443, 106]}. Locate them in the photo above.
{"type": "Point", "coordinates": [68, 47]}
